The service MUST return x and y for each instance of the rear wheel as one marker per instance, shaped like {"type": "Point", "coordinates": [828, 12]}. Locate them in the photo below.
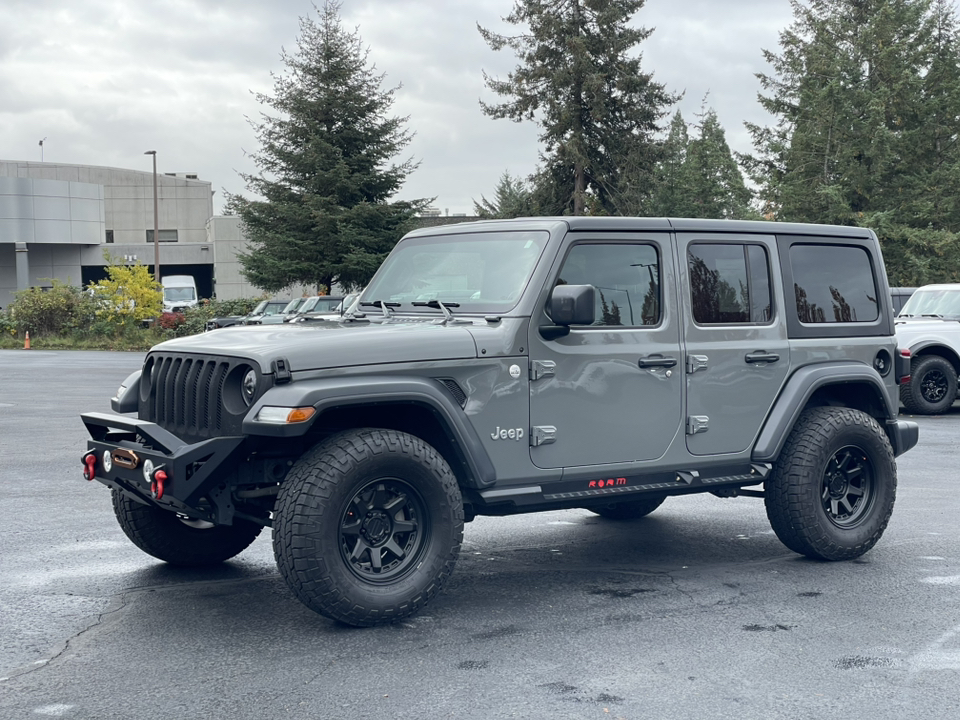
{"type": "Point", "coordinates": [368, 526]}
{"type": "Point", "coordinates": [630, 510]}
{"type": "Point", "coordinates": [179, 540]}
{"type": "Point", "coordinates": [932, 387]}
{"type": "Point", "coordinates": [832, 491]}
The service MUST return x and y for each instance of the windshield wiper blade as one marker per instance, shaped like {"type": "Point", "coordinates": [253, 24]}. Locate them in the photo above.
{"type": "Point", "coordinates": [384, 306]}
{"type": "Point", "coordinates": [935, 315]}
{"type": "Point", "coordinates": [437, 305]}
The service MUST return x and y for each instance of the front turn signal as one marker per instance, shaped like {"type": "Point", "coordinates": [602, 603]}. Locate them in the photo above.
{"type": "Point", "coordinates": [285, 415]}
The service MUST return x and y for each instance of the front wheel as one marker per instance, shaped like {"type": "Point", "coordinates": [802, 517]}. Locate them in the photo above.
{"type": "Point", "coordinates": [368, 526]}
{"type": "Point", "coordinates": [932, 387]}
{"type": "Point", "coordinates": [832, 491]}
{"type": "Point", "coordinates": [179, 540]}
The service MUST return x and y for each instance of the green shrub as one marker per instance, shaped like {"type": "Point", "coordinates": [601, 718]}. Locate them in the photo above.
{"type": "Point", "coordinates": [59, 310]}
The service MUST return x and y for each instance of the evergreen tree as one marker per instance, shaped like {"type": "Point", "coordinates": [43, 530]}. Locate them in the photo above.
{"type": "Point", "coordinates": [715, 180]}
{"type": "Point", "coordinates": [581, 82]}
{"type": "Point", "coordinates": [512, 198]}
{"type": "Point", "coordinates": [325, 174]}
{"type": "Point", "coordinates": [698, 177]}
{"type": "Point", "coordinates": [867, 99]}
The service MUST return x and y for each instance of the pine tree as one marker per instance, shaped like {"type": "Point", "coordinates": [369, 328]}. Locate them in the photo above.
{"type": "Point", "coordinates": [698, 176]}
{"type": "Point", "coordinates": [512, 198]}
{"type": "Point", "coordinates": [325, 174]}
{"type": "Point", "coordinates": [581, 82]}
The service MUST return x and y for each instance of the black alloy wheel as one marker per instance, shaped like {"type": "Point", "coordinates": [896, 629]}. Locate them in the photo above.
{"type": "Point", "coordinates": [382, 535]}
{"type": "Point", "coordinates": [847, 489]}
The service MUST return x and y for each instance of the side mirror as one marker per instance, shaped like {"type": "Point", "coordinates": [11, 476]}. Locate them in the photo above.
{"type": "Point", "coordinates": [573, 305]}
{"type": "Point", "coordinates": [570, 305]}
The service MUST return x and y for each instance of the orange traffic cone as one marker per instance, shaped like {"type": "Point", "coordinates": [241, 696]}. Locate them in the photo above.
{"type": "Point", "coordinates": [26, 340]}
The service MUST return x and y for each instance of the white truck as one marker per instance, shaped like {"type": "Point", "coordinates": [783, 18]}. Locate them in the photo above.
{"type": "Point", "coordinates": [929, 326]}
{"type": "Point", "coordinates": [179, 292]}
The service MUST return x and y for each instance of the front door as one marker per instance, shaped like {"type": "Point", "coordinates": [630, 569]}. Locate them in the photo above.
{"type": "Point", "coordinates": [737, 353]}
{"type": "Point", "coordinates": [610, 392]}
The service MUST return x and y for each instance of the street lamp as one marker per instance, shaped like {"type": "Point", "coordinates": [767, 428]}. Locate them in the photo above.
{"type": "Point", "coordinates": [156, 220]}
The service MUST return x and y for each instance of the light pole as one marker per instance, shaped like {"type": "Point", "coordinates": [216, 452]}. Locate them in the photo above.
{"type": "Point", "coordinates": [156, 220]}
{"type": "Point", "coordinates": [41, 149]}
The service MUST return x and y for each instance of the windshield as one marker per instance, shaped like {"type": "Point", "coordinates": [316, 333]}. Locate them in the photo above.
{"type": "Point", "coordinates": [943, 302]}
{"type": "Point", "coordinates": [293, 305]}
{"type": "Point", "coordinates": [179, 294]}
{"type": "Point", "coordinates": [479, 272]}
{"type": "Point", "coordinates": [259, 308]}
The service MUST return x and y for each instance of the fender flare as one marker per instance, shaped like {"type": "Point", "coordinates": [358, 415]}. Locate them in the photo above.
{"type": "Point", "coordinates": [919, 347]}
{"type": "Point", "coordinates": [797, 392]}
{"type": "Point", "coordinates": [329, 393]}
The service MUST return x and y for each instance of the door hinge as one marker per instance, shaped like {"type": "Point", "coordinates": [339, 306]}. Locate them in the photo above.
{"type": "Point", "coordinates": [696, 362]}
{"type": "Point", "coordinates": [697, 424]}
{"type": "Point", "coordinates": [543, 435]}
{"type": "Point", "coordinates": [542, 368]}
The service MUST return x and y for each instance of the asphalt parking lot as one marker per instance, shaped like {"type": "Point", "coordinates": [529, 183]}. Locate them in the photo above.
{"type": "Point", "coordinates": [695, 611]}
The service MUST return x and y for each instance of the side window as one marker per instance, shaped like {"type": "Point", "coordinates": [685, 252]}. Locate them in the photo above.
{"type": "Point", "coordinates": [729, 283]}
{"type": "Point", "coordinates": [833, 284]}
{"type": "Point", "coordinates": [627, 279]}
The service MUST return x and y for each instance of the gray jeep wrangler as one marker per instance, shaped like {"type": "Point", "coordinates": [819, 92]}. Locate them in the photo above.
{"type": "Point", "coordinates": [509, 367]}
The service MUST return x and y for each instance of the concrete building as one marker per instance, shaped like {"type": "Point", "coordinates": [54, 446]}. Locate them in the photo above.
{"type": "Point", "coordinates": [57, 220]}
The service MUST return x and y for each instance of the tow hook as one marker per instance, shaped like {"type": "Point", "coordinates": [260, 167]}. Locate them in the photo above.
{"type": "Point", "coordinates": [157, 483]}
{"type": "Point", "coordinates": [89, 466]}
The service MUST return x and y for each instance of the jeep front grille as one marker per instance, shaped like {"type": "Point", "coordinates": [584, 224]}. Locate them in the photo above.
{"type": "Point", "coordinates": [193, 396]}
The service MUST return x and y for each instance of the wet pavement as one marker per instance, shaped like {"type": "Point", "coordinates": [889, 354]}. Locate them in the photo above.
{"type": "Point", "coordinates": [695, 611]}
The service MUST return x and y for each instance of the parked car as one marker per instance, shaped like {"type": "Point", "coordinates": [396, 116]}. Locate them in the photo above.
{"type": "Point", "coordinates": [899, 296]}
{"type": "Point", "coordinates": [517, 366]}
{"type": "Point", "coordinates": [317, 304]}
{"type": "Point", "coordinates": [265, 306]}
{"type": "Point", "coordinates": [929, 327]}
{"type": "Point", "coordinates": [291, 310]}
{"type": "Point", "coordinates": [341, 308]}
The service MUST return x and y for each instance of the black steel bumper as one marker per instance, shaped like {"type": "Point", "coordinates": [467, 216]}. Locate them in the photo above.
{"type": "Point", "coordinates": [903, 435]}
{"type": "Point", "coordinates": [197, 484]}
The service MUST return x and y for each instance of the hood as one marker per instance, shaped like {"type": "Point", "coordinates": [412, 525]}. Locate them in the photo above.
{"type": "Point", "coordinates": [928, 331]}
{"type": "Point", "coordinates": [320, 345]}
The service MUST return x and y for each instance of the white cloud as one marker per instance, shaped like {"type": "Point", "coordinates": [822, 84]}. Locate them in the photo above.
{"type": "Point", "coordinates": [105, 80]}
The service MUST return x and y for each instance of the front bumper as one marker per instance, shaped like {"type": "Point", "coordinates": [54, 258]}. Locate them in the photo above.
{"type": "Point", "coordinates": [903, 435]}
{"type": "Point", "coordinates": [198, 473]}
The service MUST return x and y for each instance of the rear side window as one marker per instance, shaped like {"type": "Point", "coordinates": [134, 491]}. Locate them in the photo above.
{"type": "Point", "coordinates": [729, 283]}
{"type": "Point", "coordinates": [833, 284]}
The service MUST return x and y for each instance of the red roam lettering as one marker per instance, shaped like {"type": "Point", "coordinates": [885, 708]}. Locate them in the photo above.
{"type": "Point", "coordinates": [609, 482]}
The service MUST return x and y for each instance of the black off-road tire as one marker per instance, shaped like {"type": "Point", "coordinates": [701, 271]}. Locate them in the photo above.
{"type": "Point", "coordinates": [932, 387]}
{"type": "Point", "coordinates": [833, 488]}
{"type": "Point", "coordinates": [629, 510]}
{"type": "Point", "coordinates": [180, 541]}
{"type": "Point", "coordinates": [368, 526]}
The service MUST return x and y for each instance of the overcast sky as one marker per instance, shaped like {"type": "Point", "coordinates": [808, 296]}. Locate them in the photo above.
{"type": "Point", "coordinates": [105, 80]}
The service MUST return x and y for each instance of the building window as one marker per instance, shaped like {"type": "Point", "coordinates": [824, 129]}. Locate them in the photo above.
{"type": "Point", "coordinates": [110, 236]}
{"type": "Point", "coordinates": [165, 236]}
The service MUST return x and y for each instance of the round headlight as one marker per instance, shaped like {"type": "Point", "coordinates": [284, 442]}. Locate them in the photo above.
{"type": "Point", "coordinates": [107, 461]}
{"type": "Point", "coordinates": [249, 386]}
{"type": "Point", "coordinates": [148, 471]}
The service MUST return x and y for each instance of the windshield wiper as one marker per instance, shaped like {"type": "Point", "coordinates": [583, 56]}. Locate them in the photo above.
{"type": "Point", "coordinates": [437, 305]}
{"type": "Point", "coordinates": [384, 306]}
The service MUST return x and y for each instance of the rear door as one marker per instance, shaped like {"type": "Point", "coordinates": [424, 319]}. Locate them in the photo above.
{"type": "Point", "coordinates": [737, 352]}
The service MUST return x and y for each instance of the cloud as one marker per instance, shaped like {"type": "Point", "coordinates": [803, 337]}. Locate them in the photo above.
{"type": "Point", "coordinates": [105, 80]}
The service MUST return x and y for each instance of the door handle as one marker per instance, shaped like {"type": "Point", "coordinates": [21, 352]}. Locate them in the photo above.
{"type": "Point", "coordinates": [657, 361]}
{"type": "Point", "coordinates": [761, 356]}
